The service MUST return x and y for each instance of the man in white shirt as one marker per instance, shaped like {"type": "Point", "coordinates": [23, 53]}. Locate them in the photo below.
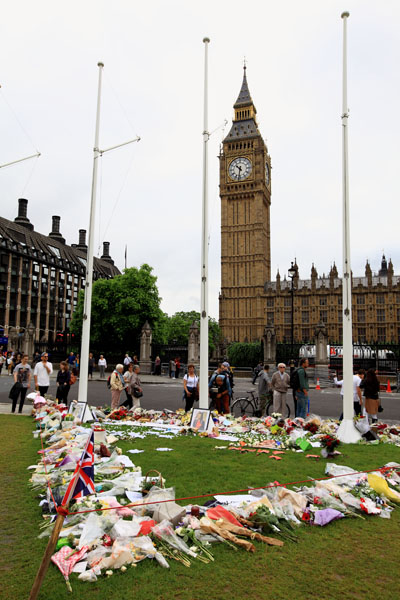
{"type": "Point", "coordinates": [357, 397]}
{"type": "Point", "coordinates": [127, 362]}
{"type": "Point", "coordinates": [42, 373]}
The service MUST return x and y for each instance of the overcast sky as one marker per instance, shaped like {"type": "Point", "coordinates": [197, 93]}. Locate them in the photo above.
{"type": "Point", "coordinates": [150, 192]}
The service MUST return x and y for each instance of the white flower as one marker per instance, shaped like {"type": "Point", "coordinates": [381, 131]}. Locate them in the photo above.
{"type": "Point", "coordinates": [109, 573]}
{"type": "Point", "coordinates": [123, 568]}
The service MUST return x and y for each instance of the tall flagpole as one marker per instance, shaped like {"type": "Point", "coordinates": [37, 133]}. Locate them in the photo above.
{"type": "Point", "coordinates": [87, 307]}
{"type": "Point", "coordinates": [203, 400]}
{"type": "Point", "coordinates": [347, 432]}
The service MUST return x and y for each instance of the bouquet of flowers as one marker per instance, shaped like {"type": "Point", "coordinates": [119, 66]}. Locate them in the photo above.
{"type": "Point", "coordinates": [328, 443]}
{"type": "Point", "coordinates": [311, 427]}
{"type": "Point", "coordinates": [118, 414]}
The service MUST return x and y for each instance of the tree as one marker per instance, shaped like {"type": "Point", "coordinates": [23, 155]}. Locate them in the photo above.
{"type": "Point", "coordinates": [176, 329]}
{"type": "Point", "coordinates": [245, 355]}
{"type": "Point", "coordinates": [120, 306]}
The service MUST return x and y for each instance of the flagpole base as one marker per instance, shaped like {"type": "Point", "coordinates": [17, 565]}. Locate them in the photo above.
{"type": "Point", "coordinates": [347, 433]}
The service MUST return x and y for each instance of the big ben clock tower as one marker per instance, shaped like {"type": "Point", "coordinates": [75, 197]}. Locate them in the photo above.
{"type": "Point", "coordinates": [245, 190]}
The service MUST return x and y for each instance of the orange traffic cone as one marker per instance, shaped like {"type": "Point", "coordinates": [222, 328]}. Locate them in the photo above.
{"type": "Point", "coordinates": [388, 389]}
{"type": "Point", "coordinates": [317, 387]}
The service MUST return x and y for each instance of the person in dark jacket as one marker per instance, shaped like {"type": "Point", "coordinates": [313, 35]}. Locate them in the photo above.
{"type": "Point", "coordinates": [63, 383]}
{"type": "Point", "coordinates": [371, 394]}
{"type": "Point", "coordinates": [302, 391]}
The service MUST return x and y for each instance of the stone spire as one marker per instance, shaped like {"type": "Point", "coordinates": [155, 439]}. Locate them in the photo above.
{"type": "Point", "coordinates": [244, 98]}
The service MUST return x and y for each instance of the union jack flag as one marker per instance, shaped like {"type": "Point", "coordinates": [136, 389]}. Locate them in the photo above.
{"type": "Point", "coordinates": [82, 482]}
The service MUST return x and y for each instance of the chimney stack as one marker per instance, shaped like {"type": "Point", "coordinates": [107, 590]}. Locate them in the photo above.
{"type": "Point", "coordinates": [82, 240]}
{"type": "Point", "coordinates": [106, 253]}
{"type": "Point", "coordinates": [55, 230]}
{"type": "Point", "coordinates": [22, 218]}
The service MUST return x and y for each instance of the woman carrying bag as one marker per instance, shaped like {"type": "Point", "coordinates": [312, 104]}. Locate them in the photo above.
{"type": "Point", "coordinates": [191, 388]}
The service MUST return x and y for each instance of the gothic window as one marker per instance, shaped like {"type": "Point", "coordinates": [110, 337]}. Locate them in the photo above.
{"type": "Point", "coordinates": [305, 334]}
{"type": "Point", "coordinates": [360, 299]}
{"type": "Point", "coordinates": [288, 301]}
{"type": "Point", "coordinates": [270, 302]}
{"type": "Point", "coordinates": [323, 316]}
{"type": "Point", "coordinates": [323, 301]}
{"type": "Point", "coordinates": [305, 316]}
{"type": "Point", "coordinates": [340, 316]}
{"type": "Point", "coordinates": [380, 315]}
{"type": "Point", "coordinates": [270, 317]}
{"type": "Point", "coordinates": [380, 299]}
{"type": "Point", "coordinates": [288, 317]}
{"type": "Point", "coordinates": [305, 301]}
{"type": "Point", "coordinates": [361, 316]}
{"type": "Point", "coordinates": [362, 335]}
{"type": "Point", "coordinates": [381, 334]}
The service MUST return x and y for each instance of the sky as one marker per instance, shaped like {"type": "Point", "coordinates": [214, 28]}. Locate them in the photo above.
{"type": "Point", "coordinates": [150, 193]}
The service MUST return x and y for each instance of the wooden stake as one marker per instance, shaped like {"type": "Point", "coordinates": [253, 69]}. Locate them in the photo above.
{"type": "Point", "coordinates": [47, 557]}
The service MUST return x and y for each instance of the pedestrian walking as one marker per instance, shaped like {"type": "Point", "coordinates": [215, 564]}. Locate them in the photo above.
{"type": "Point", "coordinates": [71, 361]}
{"type": "Point", "coordinates": [63, 382]}
{"type": "Point", "coordinates": [257, 371]}
{"type": "Point", "coordinates": [157, 366]}
{"type": "Point", "coordinates": [280, 384]}
{"type": "Point", "coordinates": [117, 384]}
{"type": "Point", "coordinates": [264, 389]}
{"type": "Point", "coordinates": [177, 367]}
{"type": "Point", "coordinates": [302, 389]}
{"type": "Point", "coordinates": [136, 387]}
{"type": "Point", "coordinates": [42, 373]}
{"type": "Point", "coordinates": [92, 364]}
{"type": "Point", "coordinates": [102, 366]}
{"type": "Point", "coordinates": [172, 368]}
{"type": "Point", "coordinates": [127, 379]}
{"type": "Point", "coordinates": [2, 361]}
{"type": "Point", "coordinates": [127, 361]}
{"type": "Point", "coordinates": [191, 388]}
{"type": "Point", "coordinates": [22, 376]}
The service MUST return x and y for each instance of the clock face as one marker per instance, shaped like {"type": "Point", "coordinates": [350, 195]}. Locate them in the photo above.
{"type": "Point", "coordinates": [267, 174]}
{"type": "Point", "coordinates": [239, 169]}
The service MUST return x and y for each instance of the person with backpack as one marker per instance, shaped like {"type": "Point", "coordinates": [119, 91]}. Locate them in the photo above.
{"type": "Point", "coordinates": [299, 382]}
{"type": "Point", "coordinates": [216, 391]}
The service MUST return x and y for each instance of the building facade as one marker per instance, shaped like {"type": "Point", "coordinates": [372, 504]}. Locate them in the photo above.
{"type": "Point", "coordinates": [245, 191]}
{"type": "Point", "coordinates": [318, 301]}
{"type": "Point", "coordinates": [40, 278]}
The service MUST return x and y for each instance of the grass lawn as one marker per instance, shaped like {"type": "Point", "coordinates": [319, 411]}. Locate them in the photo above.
{"type": "Point", "coordinates": [348, 559]}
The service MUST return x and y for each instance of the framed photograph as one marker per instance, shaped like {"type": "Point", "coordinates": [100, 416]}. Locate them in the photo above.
{"type": "Point", "coordinates": [200, 419]}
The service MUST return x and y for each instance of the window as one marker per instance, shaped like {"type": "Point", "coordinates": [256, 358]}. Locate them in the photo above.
{"type": "Point", "coordinates": [323, 316]}
{"type": "Point", "coordinates": [288, 317]}
{"type": "Point", "coordinates": [323, 301]}
{"type": "Point", "coordinates": [305, 334]}
{"type": "Point", "coordinates": [340, 316]}
{"type": "Point", "coordinates": [305, 301]}
{"type": "Point", "coordinates": [398, 314]}
{"type": "Point", "coordinates": [270, 302]}
{"type": "Point", "coordinates": [381, 334]}
{"type": "Point", "coordinates": [361, 316]}
{"type": "Point", "coordinates": [362, 335]}
{"type": "Point", "coordinates": [305, 316]}
{"type": "Point", "coordinates": [360, 300]}
{"type": "Point", "coordinates": [380, 299]}
{"type": "Point", "coordinates": [288, 301]}
{"type": "Point", "coordinates": [56, 251]}
{"type": "Point", "coordinates": [380, 315]}
{"type": "Point", "coordinates": [270, 317]}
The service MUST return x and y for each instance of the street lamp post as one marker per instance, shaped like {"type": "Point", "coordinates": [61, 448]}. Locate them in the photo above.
{"type": "Point", "coordinates": [292, 272]}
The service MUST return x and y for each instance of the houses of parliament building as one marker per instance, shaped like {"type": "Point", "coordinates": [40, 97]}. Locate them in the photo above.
{"type": "Point", "coordinates": [249, 301]}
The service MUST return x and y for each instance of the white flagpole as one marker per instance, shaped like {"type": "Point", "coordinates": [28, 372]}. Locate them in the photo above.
{"type": "Point", "coordinates": [87, 308]}
{"type": "Point", "coordinates": [203, 400]}
{"type": "Point", "coordinates": [347, 432]}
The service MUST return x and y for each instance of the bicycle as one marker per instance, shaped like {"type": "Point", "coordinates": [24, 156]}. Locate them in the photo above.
{"type": "Point", "coordinates": [251, 406]}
